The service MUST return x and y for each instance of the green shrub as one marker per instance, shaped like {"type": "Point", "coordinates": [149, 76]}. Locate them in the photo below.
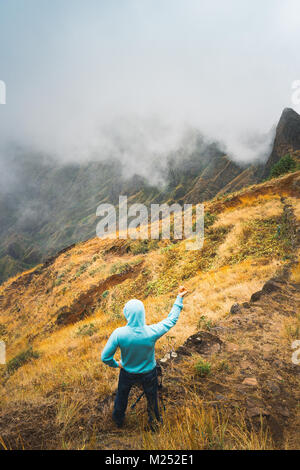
{"type": "Point", "coordinates": [120, 268]}
{"type": "Point", "coordinates": [21, 359]}
{"type": "Point", "coordinates": [59, 279]}
{"type": "Point", "coordinates": [224, 366]}
{"type": "Point", "coordinates": [167, 248]}
{"type": "Point", "coordinates": [160, 286]}
{"type": "Point", "coordinates": [97, 270]}
{"type": "Point", "coordinates": [285, 165]}
{"type": "Point", "coordinates": [82, 269]}
{"type": "Point", "coordinates": [204, 323]}
{"type": "Point", "coordinates": [202, 368]}
{"type": "Point", "coordinates": [209, 220]}
{"type": "Point", "coordinates": [140, 247]}
{"type": "Point", "coordinates": [86, 330]}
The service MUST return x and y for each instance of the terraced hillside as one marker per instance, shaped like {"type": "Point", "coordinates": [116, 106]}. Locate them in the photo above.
{"type": "Point", "coordinates": [233, 348]}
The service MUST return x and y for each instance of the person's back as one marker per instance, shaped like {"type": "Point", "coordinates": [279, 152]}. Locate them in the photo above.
{"type": "Point", "coordinates": [137, 341]}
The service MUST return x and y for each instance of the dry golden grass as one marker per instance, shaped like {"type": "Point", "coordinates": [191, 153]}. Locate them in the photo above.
{"type": "Point", "coordinates": [192, 427]}
{"type": "Point", "coordinates": [295, 203]}
{"type": "Point", "coordinates": [68, 413]}
{"type": "Point", "coordinates": [295, 271]}
{"type": "Point", "coordinates": [69, 362]}
{"type": "Point", "coordinates": [263, 209]}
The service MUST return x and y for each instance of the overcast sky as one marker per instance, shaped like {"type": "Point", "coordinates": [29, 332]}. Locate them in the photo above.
{"type": "Point", "coordinates": [87, 75]}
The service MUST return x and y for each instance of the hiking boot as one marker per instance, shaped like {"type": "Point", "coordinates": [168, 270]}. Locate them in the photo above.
{"type": "Point", "coordinates": [118, 424]}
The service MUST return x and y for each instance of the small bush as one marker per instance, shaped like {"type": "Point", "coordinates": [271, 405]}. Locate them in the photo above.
{"type": "Point", "coordinates": [204, 323]}
{"type": "Point", "coordinates": [209, 219]}
{"type": "Point", "coordinates": [82, 269]}
{"type": "Point", "coordinates": [143, 246]}
{"type": "Point", "coordinates": [202, 368]}
{"type": "Point", "coordinates": [224, 366]}
{"type": "Point", "coordinates": [105, 294]}
{"type": "Point", "coordinates": [120, 268]}
{"type": "Point", "coordinates": [86, 330]}
{"type": "Point", "coordinates": [285, 165]}
{"type": "Point", "coordinates": [21, 359]}
{"type": "Point", "coordinates": [167, 248]}
{"type": "Point", "coordinates": [97, 270]}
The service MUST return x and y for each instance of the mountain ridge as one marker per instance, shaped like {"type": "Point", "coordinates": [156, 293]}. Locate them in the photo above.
{"type": "Point", "coordinates": [50, 207]}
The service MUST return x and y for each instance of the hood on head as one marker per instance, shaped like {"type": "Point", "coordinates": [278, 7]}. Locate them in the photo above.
{"type": "Point", "coordinates": [134, 312]}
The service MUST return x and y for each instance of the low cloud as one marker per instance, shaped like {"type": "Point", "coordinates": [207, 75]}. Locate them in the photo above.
{"type": "Point", "coordinates": [133, 79]}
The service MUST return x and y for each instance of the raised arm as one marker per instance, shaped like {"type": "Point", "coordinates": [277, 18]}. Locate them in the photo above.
{"type": "Point", "coordinates": [159, 329]}
{"type": "Point", "coordinates": [108, 352]}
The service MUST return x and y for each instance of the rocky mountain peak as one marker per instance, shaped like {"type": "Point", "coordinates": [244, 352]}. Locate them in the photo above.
{"type": "Point", "coordinates": [287, 138]}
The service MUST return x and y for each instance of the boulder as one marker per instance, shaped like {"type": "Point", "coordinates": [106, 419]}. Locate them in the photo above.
{"type": "Point", "coordinates": [235, 308]}
{"type": "Point", "coordinates": [270, 286]}
{"type": "Point", "coordinates": [251, 381]}
{"type": "Point", "coordinates": [256, 296]}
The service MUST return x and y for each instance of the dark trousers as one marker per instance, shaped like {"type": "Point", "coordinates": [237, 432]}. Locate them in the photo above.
{"type": "Point", "coordinates": [149, 383]}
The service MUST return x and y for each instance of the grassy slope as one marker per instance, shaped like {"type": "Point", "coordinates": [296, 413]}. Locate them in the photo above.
{"type": "Point", "coordinates": [62, 373]}
{"type": "Point", "coordinates": [54, 206]}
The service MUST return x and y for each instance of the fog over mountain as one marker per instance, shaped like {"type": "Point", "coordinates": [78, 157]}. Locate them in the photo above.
{"type": "Point", "coordinates": [128, 79]}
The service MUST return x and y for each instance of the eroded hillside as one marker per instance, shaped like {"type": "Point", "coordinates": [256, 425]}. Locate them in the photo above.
{"type": "Point", "coordinates": [55, 319]}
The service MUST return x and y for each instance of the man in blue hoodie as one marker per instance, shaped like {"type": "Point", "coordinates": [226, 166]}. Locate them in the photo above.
{"type": "Point", "coordinates": [137, 341]}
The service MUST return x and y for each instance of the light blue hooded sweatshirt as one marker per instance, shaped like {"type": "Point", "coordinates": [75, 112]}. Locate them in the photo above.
{"type": "Point", "coordinates": [137, 340]}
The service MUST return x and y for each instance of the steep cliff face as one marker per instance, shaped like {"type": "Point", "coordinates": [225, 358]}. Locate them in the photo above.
{"type": "Point", "coordinates": [216, 176]}
{"type": "Point", "coordinates": [287, 138]}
